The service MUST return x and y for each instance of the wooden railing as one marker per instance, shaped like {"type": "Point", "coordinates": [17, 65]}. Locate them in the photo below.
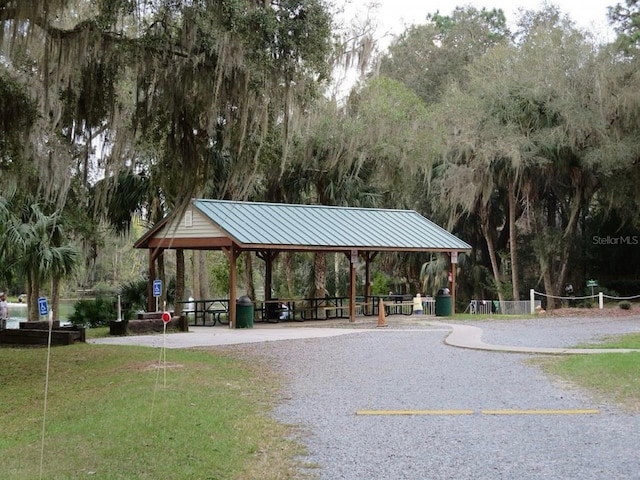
{"type": "Point", "coordinates": [214, 311]}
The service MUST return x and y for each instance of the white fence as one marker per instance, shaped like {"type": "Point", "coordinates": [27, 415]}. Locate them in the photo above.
{"type": "Point", "coordinates": [507, 307]}
{"type": "Point", "coordinates": [428, 307]}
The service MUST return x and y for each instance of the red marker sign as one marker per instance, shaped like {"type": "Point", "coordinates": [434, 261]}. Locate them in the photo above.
{"type": "Point", "coordinates": [166, 317]}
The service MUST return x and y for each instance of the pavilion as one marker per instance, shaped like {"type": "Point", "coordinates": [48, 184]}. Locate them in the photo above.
{"type": "Point", "coordinates": [270, 228]}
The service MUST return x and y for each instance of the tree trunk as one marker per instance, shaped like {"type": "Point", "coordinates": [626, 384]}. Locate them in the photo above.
{"type": "Point", "coordinates": [180, 289]}
{"type": "Point", "coordinates": [320, 275]}
{"type": "Point", "coordinates": [548, 284]}
{"type": "Point", "coordinates": [563, 268]}
{"type": "Point", "coordinates": [203, 276]}
{"type": "Point", "coordinates": [513, 242]}
{"type": "Point", "coordinates": [288, 271]}
{"type": "Point", "coordinates": [161, 276]}
{"type": "Point", "coordinates": [195, 275]}
{"type": "Point", "coordinates": [248, 276]}
{"type": "Point", "coordinates": [494, 259]}
{"type": "Point", "coordinates": [33, 292]}
{"type": "Point", "coordinates": [567, 239]}
{"type": "Point", "coordinates": [55, 298]}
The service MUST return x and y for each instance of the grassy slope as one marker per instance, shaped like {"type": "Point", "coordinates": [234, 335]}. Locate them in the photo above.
{"type": "Point", "coordinates": [613, 376]}
{"type": "Point", "coordinates": [110, 416]}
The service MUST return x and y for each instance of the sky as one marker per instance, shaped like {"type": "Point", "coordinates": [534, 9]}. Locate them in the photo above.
{"type": "Point", "coordinates": [393, 15]}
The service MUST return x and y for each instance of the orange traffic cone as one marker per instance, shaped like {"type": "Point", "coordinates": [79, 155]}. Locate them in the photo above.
{"type": "Point", "coordinates": [381, 316]}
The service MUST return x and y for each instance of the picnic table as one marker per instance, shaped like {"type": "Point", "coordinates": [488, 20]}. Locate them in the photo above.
{"type": "Point", "coordinates": [301, 309]}
{"type": "Point", "coordinates": [209, 312]}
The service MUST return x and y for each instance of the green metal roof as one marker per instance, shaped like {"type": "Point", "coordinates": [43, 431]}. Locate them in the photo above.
{"type": "Point", "coordinates": [275, 224]}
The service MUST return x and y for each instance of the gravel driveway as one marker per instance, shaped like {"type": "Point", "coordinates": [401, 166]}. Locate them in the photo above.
{"type": "Point", "coordinates": [411, 369]}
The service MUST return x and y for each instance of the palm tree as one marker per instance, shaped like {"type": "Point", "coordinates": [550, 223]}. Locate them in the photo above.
{"type": "Point", "coordinates": [33, 243]}
{"type": "Point", "coordinates": [44, 258]}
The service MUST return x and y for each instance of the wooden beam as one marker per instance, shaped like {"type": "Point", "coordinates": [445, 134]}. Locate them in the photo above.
{"type": "Point", "coordinates": [212, 243]}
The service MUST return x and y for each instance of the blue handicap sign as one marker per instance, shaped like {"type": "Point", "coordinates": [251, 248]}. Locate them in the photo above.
{"type": "Point", "coordinates": [43, 307]}
{"type": "Point", "coordinates": [157, 288]}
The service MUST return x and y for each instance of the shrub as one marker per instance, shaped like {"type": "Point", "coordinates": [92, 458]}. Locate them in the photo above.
{"type": "Point", "coordinates": [93, 313]}
{"type": "Point", "coordinates": [624, 305]}
{"type": "Point", "coordinates": [587, 303]}
{"type": "Point", "coordinates": [133, 296]}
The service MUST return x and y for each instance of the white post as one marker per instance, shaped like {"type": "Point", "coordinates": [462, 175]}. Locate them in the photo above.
{"type": "Point", "coordinates": [532, 299]}
{"type": "Point", "coordinates": [119, 309]}
{"type": "Point", "coordinates": [600, 300]}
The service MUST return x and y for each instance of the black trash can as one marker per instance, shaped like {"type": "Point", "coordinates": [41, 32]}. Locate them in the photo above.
{"type": "Point", "coordinates": [244, 312]}
{"type": "Point", "coordinates": [272, 311]}
{"type": "Point", "coordinates": [444, 304]}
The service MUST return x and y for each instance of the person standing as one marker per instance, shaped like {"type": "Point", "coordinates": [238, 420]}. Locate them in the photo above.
{"type": "Point", "coordinates": [417, 304]}
{"type": "Point", "coordinates": [4, 310]}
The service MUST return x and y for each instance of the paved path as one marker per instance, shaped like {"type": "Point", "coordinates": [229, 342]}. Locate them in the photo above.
{"type": "Point", "coordinates": [216, 336]}
{"type": "Point", "coordinates": [399, 403]}
{"type": "Point", "coordinates": [462, 336]}
{"type": "Point", "coordinates": [466, 336]}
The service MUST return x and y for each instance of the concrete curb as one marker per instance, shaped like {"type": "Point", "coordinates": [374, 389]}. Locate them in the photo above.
{"type": "Point", "coordinates": [467, 336]}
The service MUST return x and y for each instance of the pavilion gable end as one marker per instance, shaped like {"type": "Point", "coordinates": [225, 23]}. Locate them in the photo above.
{"type": "Point", "coordinates": [192, 224]}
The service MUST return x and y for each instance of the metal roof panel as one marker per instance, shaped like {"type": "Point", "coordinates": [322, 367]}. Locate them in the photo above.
{"type": "Point", "coordinates": [255, 223]}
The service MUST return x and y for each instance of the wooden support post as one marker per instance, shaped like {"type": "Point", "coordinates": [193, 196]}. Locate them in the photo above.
{"type": "Point", "coordinates": [381, 315]}
{"type": "Point", "coordinates": [368, 258]}
{"type": "Point", "coordinates": [453, 289]}
{"type": "Point", "coordinates": [454, 265]}
{"type": "Point", "coordinates": [352, 282]}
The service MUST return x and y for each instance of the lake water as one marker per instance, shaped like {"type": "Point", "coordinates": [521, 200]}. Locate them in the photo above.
{"type": "Point", "coordinates": [18, 313]}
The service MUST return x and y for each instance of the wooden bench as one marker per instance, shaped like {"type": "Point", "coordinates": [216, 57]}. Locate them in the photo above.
{"type": "Point", "coordinates": [150, 322]}
{"type": "Point", "coordinates": [300, 313]}
{"type": "Point", "coordinates": [35, 336]}
{"type": "Point", "coordinates": [336, 309]}
{"type": "Point", "coordinates": [344, 310]}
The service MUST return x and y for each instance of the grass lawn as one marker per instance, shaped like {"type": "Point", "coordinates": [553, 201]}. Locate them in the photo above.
{"type": "Point", "coordinates": [110, 416]}
{"type": "Point", "coordinates": [615, 376]}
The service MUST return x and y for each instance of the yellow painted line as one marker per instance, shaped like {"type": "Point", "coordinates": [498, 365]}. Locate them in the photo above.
{"type": "Point", "coordinates": [414, 412]}
{"type": "Point", "coordinates": [542, 412]}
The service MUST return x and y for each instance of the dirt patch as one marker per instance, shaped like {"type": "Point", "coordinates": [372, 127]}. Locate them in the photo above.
{"type": "Point", "coordinates": [154, 366]}
{"type": "Point", "coordinates": [607, 312]}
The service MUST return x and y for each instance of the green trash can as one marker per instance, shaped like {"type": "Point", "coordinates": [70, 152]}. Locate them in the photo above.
{"type": "Point", "coordinates": [244, 312]}
{"type": "Point", "coordinates": [444, 304]}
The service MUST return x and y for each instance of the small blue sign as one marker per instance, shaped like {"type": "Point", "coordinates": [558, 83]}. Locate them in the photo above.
{"type": "Point", "coordinates": [157, 288]}
{"type": "Point", "coordinates": [43, 306]}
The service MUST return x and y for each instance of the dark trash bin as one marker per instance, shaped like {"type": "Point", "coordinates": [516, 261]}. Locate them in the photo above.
{"type": "Point", "coordinates": [244, 312]}
{"type": "Point", "coordinates": [272, 311]}
{"type": "Point", "coordinates": [444, 304]}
